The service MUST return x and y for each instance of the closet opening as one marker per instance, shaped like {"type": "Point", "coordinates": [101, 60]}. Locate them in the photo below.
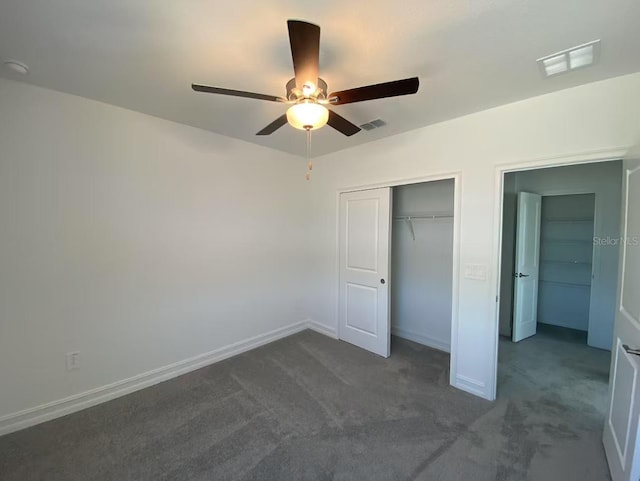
{"type": "Point", "coordinates": [422, 263]}
{"type": "Point", "coordinates": [566, 268]}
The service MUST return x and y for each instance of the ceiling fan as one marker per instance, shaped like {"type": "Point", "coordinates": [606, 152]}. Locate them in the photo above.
{"type": "Point", "coordinates": [308, 93]}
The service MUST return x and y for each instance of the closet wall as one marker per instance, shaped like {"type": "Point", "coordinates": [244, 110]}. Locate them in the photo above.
{"type": "Point", "coordinates": [566, 251]}
{"type": "Point", "coordinates": [421, 263]}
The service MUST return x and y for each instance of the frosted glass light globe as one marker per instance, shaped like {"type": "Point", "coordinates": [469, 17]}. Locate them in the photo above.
{"type": "Point", "coordinates": [307, 115]}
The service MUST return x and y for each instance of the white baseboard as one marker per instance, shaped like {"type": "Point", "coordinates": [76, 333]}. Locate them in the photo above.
{"type": "Point", "coordinates": [77, 402]}
{"type": "Point", "coordinates": [323, 329]}
{"type": "Point", "coordinates": [421, 339]}
{"type": "Point", "coordinates": [472, 386]}
{"type": "Point", "coordinates": [46, 412]}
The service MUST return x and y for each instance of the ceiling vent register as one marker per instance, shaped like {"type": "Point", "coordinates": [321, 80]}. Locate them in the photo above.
{"type": "Point", "coordinates": [373, 124]}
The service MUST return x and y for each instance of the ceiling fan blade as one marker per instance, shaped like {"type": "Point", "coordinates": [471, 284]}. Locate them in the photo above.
{"type": "Point", "coordinates": [342, 125]}
{"type": "Point", "coordinates": [379, 91]}
{"type": "Point", "coordinates": [236, 93]}
{"type": "Point", "coordinates": [273, 126]}
{"type": "Point", "coordinates": [304, 39]}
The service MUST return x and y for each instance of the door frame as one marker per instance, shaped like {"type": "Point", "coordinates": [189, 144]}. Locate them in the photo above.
{"type": "Point", "coordinates": [455, 291]}
{"type": "Point", "coordinates": [500, 171]}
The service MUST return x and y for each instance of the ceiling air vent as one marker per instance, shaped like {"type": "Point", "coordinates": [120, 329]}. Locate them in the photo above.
{"type": "Point", "coordinates": [374, 124]}
{"type": "Point", "coordinates": [570, 59]}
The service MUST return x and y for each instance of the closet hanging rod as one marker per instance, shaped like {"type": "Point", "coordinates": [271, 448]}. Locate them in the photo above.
{"type": "Point", "coordinates": [412, 217]}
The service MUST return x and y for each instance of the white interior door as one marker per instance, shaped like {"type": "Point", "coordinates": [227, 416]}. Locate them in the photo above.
{"type": "Point", "coordinates": [365, 219]}
{"type": "Point", "coordinates": [527, 266]}
{"type": "Point", "coordinates": [621, 439]}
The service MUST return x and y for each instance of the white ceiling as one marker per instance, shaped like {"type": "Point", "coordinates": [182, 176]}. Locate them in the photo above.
{"type": "Point", "coordinates": [469, 54]}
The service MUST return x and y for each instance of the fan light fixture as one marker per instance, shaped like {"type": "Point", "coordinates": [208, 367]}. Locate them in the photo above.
{"type": "Point", "coordinates": [307, 115]}
{"type": "Point", "coordinates": [307, 92]}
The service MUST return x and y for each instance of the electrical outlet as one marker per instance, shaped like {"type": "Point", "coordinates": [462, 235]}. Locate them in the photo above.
{"type": "Point", "coordinates": [73, 360]}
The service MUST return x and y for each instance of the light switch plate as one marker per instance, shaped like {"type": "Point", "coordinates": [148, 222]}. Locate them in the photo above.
{"type": "Point", "coordinates": [475, 272]}
{"type": "Point", "coordinates": [73, 360]}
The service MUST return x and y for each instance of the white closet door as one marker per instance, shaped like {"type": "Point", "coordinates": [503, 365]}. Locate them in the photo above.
{"type": "Point", "coordinates": [365, 219]}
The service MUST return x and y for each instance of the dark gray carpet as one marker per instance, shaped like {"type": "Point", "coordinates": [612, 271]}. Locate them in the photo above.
{"type": "Point", "coordinates": [312, 408]}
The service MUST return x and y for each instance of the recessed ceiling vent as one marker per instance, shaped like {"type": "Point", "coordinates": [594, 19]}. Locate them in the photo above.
{"type": "Point", "coordinates": [374, 124]}
{"type": "Point", "coordinates": [570, 59]}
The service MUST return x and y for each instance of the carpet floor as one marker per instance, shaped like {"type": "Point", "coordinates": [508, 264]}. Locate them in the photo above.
{"type": "Point", "coordinates": [312, 408]}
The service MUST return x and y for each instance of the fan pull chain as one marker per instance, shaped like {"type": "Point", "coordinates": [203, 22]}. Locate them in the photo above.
{"type": "Point", "coordinates": [309, 162]}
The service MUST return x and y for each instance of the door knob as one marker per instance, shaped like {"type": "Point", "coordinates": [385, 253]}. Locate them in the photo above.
{"type": "Point", "coordinates": [631, 351]}
{"type": "Point", "coordinates": [382, 281]}
{"type": "Point", "coordinates": [520, 274]}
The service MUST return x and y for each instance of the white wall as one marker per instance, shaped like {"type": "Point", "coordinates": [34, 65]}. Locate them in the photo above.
{"type": "Point", "coordinates": [136, 241]}
{"type": "Point", "coordinates": [422, 267]}
{"type": "Point", "coordinates": [584, 122]}
{"type": "Point", "coordinates": [604, 180]}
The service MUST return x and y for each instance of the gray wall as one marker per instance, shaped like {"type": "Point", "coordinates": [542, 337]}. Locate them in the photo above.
{"type": "Point", "coordinates": [604, 180]}
{"type": "Point", "coordinates": [566, 251]}
{"type": "Point", "coordinates": [422, 268]}
{"type": "Point", "coordinates": [509, 207]}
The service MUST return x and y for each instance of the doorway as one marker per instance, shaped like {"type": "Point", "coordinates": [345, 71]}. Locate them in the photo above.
{"type": "Point", "coordinates": [576, 268]}
{"type": "Point", "coordinates": [577, 275]}
{"type": "Point", "coordinates": [398, 259]}
{"type": "Point", "coordinates": [566, 267]}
